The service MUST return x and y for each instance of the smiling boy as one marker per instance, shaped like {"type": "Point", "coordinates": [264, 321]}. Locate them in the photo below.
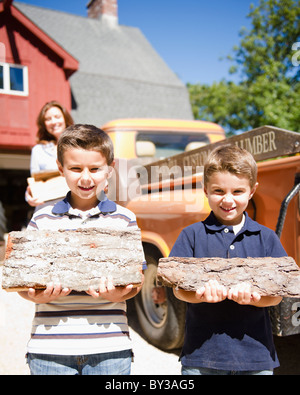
{"type": "Point", "coordinates": [228, 331]}
{"type": "Point", "coordinates": [86, 172]}
{"type": "Point", "coordinates": [82, 333]}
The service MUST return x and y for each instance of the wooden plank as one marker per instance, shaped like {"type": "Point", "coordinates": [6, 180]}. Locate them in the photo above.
{"type": "Point", "coordinates": [48, 185]}
{"type": "Point", "coordinates": [50, 189]}
{"type": "Point", "coordinates": [75, 259]}
{"type": "Point", "coordinates": [45, 175]}
{"type": "Point", "coordinates": [268, 276]}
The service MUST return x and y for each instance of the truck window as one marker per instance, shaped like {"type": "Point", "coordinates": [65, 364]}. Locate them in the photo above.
{"type": "Point", "coordinates": [162, 144]}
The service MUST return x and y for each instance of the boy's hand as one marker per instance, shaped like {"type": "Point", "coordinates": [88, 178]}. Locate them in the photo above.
{"type": "Point", "coordinates": [212, 292]}
{"type": "Point", "coordinates": [242, 294]}
{"type": "Point", "coordinates": [47, 295]}
{"type": "Point", "coordinates": [108, 291]}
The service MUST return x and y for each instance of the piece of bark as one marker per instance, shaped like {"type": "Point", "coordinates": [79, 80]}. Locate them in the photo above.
{"type": "Point", "coordinates": [76, 259]}
{"type": "Point", "coordinates": [268, 276]}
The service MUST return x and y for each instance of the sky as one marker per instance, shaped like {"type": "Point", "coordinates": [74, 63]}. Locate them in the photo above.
{"type": "Point", "coordinates": [190, 35]}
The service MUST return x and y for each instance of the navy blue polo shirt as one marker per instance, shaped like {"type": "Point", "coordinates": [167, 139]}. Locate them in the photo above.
{"type": "Point", "coordinates": [226, 335]}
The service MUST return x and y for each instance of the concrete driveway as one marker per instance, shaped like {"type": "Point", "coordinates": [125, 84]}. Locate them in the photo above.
{"type": "Point", "coordinates": [15, 325]}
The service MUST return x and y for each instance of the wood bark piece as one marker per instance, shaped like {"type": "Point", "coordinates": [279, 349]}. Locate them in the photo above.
{"type": "Point", "coordinates": [48, 185]}
{"type": "Point", "coordinates": [77, 259]}
{"type": "Point", "coordinates": [268, 276]}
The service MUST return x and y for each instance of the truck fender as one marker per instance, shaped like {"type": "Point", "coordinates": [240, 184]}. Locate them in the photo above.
{"type": "Point", "coordinates": [156, 240]}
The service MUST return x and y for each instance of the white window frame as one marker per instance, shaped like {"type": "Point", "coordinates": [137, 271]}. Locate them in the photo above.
{"type": "Point", "coordinates": [6, 79]}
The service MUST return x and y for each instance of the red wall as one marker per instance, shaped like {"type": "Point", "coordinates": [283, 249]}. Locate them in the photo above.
{"type": "Point", "coordinates": [46, 81]}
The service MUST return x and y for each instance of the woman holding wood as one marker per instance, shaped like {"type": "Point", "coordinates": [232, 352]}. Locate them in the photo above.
{"type": "Point", "coordinates": [52, 120]}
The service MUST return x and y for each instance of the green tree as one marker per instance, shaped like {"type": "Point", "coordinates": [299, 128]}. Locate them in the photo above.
{"type": "Point", "coordinates": [268, 64]}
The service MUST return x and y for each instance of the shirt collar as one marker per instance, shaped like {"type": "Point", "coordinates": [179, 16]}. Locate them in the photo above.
{"type": "Point", "coordinates": [214, 225]}
{"type": "Point", "coordinates": [105, 205]}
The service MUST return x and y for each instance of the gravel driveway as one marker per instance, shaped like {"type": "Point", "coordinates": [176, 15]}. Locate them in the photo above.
{"type": "Point", "coordinates": [15, 325]}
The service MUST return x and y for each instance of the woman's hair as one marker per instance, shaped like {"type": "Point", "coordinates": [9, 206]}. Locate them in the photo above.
{"type": "Point", "coordinates": [232, 159]}
{"type": "Point", "coordinates": [86, 137]}
{"type": "Point", "coordinates": [42, 134]}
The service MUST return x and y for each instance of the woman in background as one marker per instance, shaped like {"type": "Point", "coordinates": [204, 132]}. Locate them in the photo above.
{"type": "Point", "coordinates": [52, 120]}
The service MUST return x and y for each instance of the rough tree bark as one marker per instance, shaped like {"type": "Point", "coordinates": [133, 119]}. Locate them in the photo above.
{"type": "Point", "coordinates": [268, 276]}
{"type": "Point", "coordinates": [76, 259]}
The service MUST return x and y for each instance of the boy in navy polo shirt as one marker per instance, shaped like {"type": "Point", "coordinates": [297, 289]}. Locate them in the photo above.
{"type": "Point", "coordinates": [228, 331]}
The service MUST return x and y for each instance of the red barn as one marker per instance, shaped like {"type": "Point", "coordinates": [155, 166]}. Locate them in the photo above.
{"type": "Point", "coordinates": [34, 69]}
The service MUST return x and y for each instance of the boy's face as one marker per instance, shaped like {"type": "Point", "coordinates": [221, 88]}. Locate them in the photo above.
{"type": "Point", "coordinates": [86, 173]}
{"type": "Point", "coordinates": [228, 196]}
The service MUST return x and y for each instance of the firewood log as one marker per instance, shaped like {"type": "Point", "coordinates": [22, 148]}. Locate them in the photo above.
{"type": "Point", "coordinates": [268, 276]}
{"type": "Point", "coordinates": [76, 259]}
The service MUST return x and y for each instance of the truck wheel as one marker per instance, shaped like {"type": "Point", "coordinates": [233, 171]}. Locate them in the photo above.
{"type": "Point", "coordinates": [162, 324]}
{"type": "Point", "coordinates": [2, 222]}
{"type": "Point", "coordinates": [3, 230]}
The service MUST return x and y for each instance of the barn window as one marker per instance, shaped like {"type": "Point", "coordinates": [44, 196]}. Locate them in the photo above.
{"type": "Point", "coordinates": [13, 79]}
{"type": "Point", "coordinates": [1, 77]}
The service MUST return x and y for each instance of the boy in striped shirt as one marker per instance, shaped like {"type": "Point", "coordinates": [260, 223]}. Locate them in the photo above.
{"type": "Point", "coordinates": [82, 333]}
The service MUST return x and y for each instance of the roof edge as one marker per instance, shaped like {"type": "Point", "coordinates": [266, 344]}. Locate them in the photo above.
{"type": "Point", "coordinates": [69, 62]}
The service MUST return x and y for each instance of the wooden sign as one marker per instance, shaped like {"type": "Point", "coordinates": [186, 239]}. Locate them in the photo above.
{"type": "Point", "coordinates": [263, 143]}
{"type": "Point", "coordinates": [76, 259]}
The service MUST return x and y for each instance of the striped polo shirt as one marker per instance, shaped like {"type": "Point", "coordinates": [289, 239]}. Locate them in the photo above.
{"type": "Point", "coordinates": [78, 324]}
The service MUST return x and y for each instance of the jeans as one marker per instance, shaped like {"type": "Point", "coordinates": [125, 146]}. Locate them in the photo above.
{"type": "Point", "coordinates": [112, 363]}
{"type": "Point", "coordinates": [215, 372]}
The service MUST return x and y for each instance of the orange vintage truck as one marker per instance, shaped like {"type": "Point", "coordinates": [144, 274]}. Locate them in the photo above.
{"type": "Point", "coordinates": [167, 196]}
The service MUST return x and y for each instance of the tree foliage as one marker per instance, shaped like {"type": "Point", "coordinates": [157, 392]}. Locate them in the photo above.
{"type": "Point", "coordinates": [267, 61]}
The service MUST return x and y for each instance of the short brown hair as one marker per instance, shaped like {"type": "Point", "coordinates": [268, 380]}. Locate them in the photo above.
{"type": "Point", "coordinates": [86, 137]}
{"type": "Point", "coordinates": [42, 133]}
{"type": "Point", "coordinates": [232, 159]}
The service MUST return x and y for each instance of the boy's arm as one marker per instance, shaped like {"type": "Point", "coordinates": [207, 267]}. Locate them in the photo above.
{"type": "Point", "coordinates": [186, 296]}
{"type": "Point", "coordinates": [267, 301]}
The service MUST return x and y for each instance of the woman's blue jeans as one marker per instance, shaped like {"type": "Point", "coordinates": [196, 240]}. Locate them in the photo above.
{"type": "Point", "coordinates": [112, 363]}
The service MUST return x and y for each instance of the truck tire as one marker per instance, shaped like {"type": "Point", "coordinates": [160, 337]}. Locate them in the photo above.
{"type": "Point", "coordinates": [162, 324]}
{"type": "Point", "coordinates": [2, 223]}
{"type": "Point", "coordinates": [3, 230]}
